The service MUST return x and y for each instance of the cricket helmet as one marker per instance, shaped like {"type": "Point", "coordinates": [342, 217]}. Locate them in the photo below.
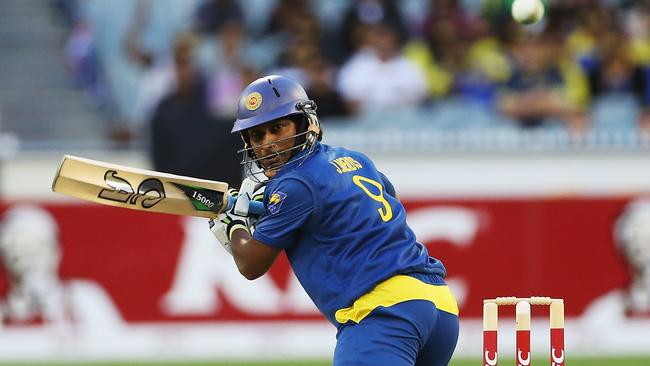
{"type": "Point", "coordinates": [267, 99]}
{"type": "Point", "coordinates": [271, 98]}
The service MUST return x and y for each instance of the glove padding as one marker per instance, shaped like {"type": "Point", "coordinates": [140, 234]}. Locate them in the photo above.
{"type": "Point", "coordinates": [237, 217]}
{"type": "Point", "coordinates": [224, 225]}
{"type": "Point", "coordinates": [249, 191]}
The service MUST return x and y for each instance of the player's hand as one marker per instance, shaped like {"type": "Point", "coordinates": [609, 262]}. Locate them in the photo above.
{"type": "Point", "coordinates": [257, 195]}
{"type": "Point", "coordinates": [224, 225]}
{"type": "Point", "coordinates": [233, 192]}
{"type": "Point", "coordinates": [249, 191]}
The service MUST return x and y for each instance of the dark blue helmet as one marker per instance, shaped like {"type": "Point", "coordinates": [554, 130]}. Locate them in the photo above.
{"type": "Point", "coordinates": [267, 99]}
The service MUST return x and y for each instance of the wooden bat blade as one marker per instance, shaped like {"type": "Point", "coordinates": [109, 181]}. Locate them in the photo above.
{"type": "Point", "coordinates": [139, 189]}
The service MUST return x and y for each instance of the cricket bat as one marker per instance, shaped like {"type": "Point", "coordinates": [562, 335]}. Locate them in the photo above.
{"type": "Point", "coordinates": [145, 190]}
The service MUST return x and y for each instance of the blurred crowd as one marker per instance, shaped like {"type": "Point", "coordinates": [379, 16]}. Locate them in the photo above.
{"type": "Point", "coordinates": [169, 67]}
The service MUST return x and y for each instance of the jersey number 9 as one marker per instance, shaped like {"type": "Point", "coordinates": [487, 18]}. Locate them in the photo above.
{"type": "Point", "coordinates": [386, 213]}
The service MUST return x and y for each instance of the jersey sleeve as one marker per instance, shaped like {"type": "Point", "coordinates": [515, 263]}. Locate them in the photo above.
{"type": "Point", "coordinates": [289, 208]}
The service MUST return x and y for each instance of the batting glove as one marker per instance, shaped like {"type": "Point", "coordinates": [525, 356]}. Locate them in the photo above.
{"type": "Point", "coordinates": [257, 195]}
{"type": "Point", "coordinates": [223, 226]}
{"type": "Point", "coordinates": [233, 192]}
{"type": "Point", "coordinates": [249, 191]}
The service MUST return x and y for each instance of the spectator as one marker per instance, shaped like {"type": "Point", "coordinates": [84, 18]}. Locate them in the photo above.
{"type": "Point", "coordinates": [320, 76]}
{"type": "Point", "coordinates": [362, 13]}
{"type": "Point", "coordinates": [296, 31]}
{"type": "Point", "coordinates": [81, 61]}
{"type": "Point", "coordinates": [614, 72]}
{"type": "Point", "coordinates": [139, 65]}
{"type": "Point", "coordinates": [230, 72]}
{"type": "Point", "coordinates": [641, 89]}
{"type": "Point", "coordinates": [231, 44]}
{"type": "Point", "coordinates": [213, 14]}
{"type": "Point", "coordinates": [435, 49]}
{"type": "Point", "coordinates": [485, 67]}
{"type": "Point", "coordinates": [293, 61]}
{"type": "Point", "coordinates": [458, 54]}
{"type": "Point", "coordinates": [638, 31]}
{"type": "Point", "coordinates": [290, 16]}
{"type": "Point", "coordinates": [536, 89]}
{"type": "Point", "coordinates": [379, 76]}
{"type": "Point", "coordinates": [185, 138]}
{"type": "Point", "coordinates": [614, 75]}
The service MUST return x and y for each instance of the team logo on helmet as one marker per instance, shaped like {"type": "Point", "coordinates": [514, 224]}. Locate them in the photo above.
{"type": "Point", "coordinates": [253, 101]}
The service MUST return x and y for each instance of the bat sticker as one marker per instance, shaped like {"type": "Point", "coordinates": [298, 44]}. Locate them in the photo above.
{"type": "Point", "coordinates": [150, 191]}
{"type": "Point", "coordinates": [203, 199]}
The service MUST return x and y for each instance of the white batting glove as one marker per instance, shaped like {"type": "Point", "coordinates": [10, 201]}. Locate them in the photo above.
{"type": "Point", "coordinates": [224, 225]}
{"type": "Point", "coordinates": [258, 195]}
{"type": "Point", "coordinates": [249, 191]}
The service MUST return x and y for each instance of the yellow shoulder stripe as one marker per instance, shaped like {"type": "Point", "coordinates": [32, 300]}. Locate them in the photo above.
{"type": "Point", "coordinates": [395, 290]}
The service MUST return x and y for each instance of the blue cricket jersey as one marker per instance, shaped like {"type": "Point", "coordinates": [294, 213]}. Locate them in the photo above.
{"type": "Point", "coordinates": [340, 228]}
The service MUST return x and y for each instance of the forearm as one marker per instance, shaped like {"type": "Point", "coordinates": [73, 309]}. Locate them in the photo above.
{"type": "Point", "coordinates": [240, 239]}
{"type": "Point", "coordinates": [233, 230]}
{"type": "Point", "coordinates": [253, 259]}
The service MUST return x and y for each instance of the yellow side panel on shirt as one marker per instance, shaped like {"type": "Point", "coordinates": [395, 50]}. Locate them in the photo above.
{"type": "Point", "coordinates": [395, 290]}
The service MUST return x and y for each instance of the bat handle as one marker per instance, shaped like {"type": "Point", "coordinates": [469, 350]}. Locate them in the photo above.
{"type": "Point", "coordinates": [256, 207]}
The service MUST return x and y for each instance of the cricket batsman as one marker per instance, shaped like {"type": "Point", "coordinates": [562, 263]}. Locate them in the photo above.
{"type": "Point", "coordinates": [343, 230]}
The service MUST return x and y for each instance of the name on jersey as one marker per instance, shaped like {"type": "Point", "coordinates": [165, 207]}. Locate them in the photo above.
{"type": "Point", "coordinates": [346, 164]}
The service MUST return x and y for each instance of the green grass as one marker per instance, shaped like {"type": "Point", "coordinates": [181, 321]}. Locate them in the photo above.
{"type": "Point", "coordinates": [461, 362]}
{"type": "Point", "coordinates": [579, 361]}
